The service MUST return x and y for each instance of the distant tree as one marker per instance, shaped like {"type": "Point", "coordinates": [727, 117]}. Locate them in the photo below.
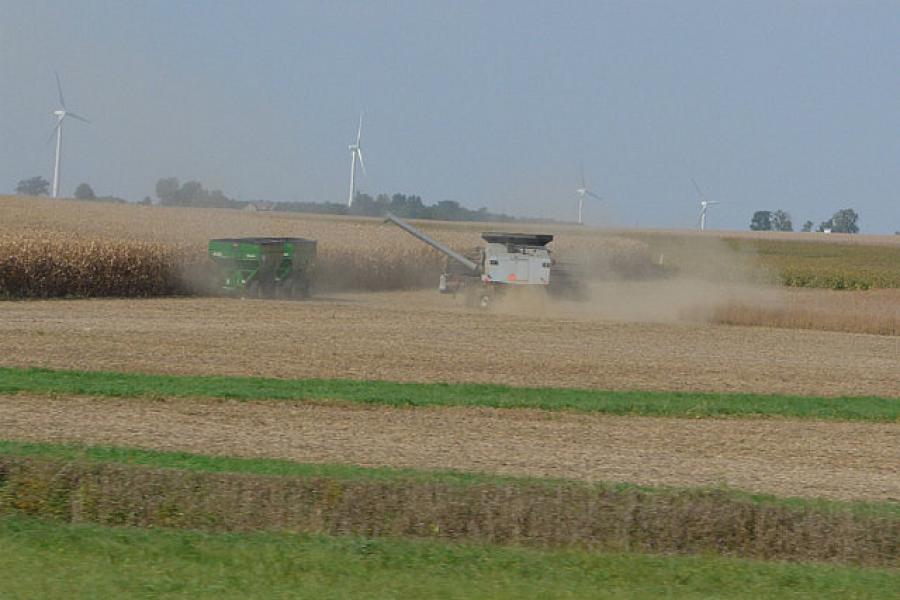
{"type": "Point", "coordinates": [84, 192]}
{"type": "Point", "coordinates": [761, 221]}
{"type": "Point", "coordinates": [147, 201]}
{"type": "Point", "coordinates": [449, 210]}
{"type": "Point", "coordinates": [167, 190]}
{"type": "Point", "coordinates": [410, 207]}
{"type": "Point", "coordinates": [807, 227]}
{"type": "Point", "coordinates": [844, 221]}
{"type": "Point", "coordinates": [35, 186]}
{"type": "Point", "coordinates": [781, 221]}
{"type": "Point", "coordinates": [365, 205]}
{"type": "Point", "coordinates": [192, 193]}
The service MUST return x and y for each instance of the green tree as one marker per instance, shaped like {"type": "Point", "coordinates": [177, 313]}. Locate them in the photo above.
{"type": "Point", "coordinates": [844, 221]}
{"type": "Point", "coordinates": [781, 221]}
{"type": "Point", "coordinates": [34, 186]}
{"type": "Point", "coordinates": [84, 192]}
{"type": "Point", "coordinates": [761, 221]}
{"type": "Point", "coordinates": [807, 227]}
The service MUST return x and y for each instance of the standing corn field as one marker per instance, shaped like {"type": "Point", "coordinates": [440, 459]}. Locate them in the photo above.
{"type": "Point", "coordinates": [50, 264]}
{"type": "Point", "coordinates": [78, 249]}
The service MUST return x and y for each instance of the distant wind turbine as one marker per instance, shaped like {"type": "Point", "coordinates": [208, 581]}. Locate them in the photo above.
{"type": "Point", "coordinates": [61, 114]}
{"type": "Point", "coordinates": [704, 205]}
{"type": "Point", "coordinates": [582, 192]}
{"type": "Point", "coordinates": [356, 154]}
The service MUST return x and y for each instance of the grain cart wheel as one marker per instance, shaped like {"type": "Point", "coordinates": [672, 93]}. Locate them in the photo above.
{"type": "Point", "coordinates": [251, 290]}
{"type": "Point", "coordinates": [287, 289]}
{"type": "Point", "coordinates": [299, 287]}
{"type": "Point", "coordinates": [267, 290]}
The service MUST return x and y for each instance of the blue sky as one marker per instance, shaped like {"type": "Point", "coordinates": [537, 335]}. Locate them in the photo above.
{"type": "Point", "coordinates": [792, 105]}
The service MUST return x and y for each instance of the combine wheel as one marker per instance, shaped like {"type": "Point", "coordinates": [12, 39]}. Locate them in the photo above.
{"type": "Point", "coordinates": [479, 297]}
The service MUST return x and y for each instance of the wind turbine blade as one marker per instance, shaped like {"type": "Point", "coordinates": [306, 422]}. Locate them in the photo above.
{"type": "Point", "coordinates": [361, 163]}
{"type": "Point", "coordinates": [593, 195]}
{"type": "Point", "coordinates": [359, 133]}
{"type": "Point", "coordinates": [53, 133]}
{"type": "Point", "coordinates": [697, 187]}
{"type": "Point", "coordinates": [74, 116]}
{"type": "Point", "coordinates": [581, 167]}
{"type": "Point", "coordinates": [62, 101]}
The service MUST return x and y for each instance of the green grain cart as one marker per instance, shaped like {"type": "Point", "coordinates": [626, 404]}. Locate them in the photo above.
{"type": "Point", "coordinates": [264, 267]}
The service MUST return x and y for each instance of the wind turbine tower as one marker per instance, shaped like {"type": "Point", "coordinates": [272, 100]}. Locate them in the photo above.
{"type": "Point", "coordinates": [704, 205]}
{"type": "Point", "coordinates": [356, 154]}
{"type": "Point", "coordinates": [582, 192]}
{"type": "Point", "coordinates": [61, 115]}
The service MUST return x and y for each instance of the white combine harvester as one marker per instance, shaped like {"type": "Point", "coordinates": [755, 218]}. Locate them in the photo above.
{"type": "Point", "coordinates": [508, 260]}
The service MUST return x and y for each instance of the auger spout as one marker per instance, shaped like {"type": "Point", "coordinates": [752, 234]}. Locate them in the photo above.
{"type": "Point", "coordinates": [415, 232]}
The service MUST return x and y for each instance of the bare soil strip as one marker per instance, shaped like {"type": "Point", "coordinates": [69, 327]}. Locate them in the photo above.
{"type": "Point", "coordinates": [421, 336]}
{"type": "Point", "coordinates": [847, 461]}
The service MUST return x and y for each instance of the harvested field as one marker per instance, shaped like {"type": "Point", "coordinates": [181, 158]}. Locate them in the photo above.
{"type": "Point", "coordinates": [875, 311]}
{"type": "Point", "coordinates": [849, 461]}
{"type": "Point", "coordinates": [422, 336]}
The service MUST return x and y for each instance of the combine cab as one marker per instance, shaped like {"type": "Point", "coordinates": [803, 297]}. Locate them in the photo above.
{"type": "Point", "coordinates": [264, 267]}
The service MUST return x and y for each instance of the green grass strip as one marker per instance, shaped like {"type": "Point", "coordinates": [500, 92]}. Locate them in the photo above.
{"type": "Point", "coordinates": [286, 468]}
{"type": "Point", "coordinates": [672, 404]}
{"type": "Point", "coordinates": [46, 560]}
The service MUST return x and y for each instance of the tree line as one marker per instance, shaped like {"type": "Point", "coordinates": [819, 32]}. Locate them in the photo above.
{"type": "Point", "coordinates": [843, 221]}
{"type": "Point", "coordinates": [38, 186]}
{"type": "Point", "coordinates": [171, 192]}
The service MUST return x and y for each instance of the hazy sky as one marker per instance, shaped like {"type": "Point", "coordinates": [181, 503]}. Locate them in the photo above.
{"type": "Point", "coordinates": [792, 105]}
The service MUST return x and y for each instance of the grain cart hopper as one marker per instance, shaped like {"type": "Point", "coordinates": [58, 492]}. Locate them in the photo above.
{"type": "Point", "coordinates": [508, 260]}
{"type": "Point", "coordinates": [264, 267]}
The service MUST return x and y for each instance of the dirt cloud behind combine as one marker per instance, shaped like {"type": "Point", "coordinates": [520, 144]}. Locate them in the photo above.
{"type": "Point", "coordinates": [628, 281]}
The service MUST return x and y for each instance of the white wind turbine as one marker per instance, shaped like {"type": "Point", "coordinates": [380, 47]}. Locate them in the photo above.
{"type": "Point", "coordinates": [704, 205]}
{"type": "Point", "coordinates": [582, 192]}
{"type": "Point", "coordinates": [356, 154]}
{"type": "Point", "coordinates": [61, 114]}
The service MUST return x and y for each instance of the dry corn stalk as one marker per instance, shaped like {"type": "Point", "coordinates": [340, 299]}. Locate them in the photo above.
{"type": "Point", "coordinates": [63, 248]}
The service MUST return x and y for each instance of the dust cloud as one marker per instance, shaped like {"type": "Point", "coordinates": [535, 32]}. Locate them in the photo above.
{"type": "Point", "coordinates": [702, 276]}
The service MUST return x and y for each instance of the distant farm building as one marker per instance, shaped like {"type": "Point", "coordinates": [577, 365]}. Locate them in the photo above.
{"type": "Point", "coordinates": [260, 206]}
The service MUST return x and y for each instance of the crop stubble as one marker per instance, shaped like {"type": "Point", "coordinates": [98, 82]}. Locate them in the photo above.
{"type": "Point", "coordinates": [849, 461]}
{"type": "Point", "coordinates": [420, 336]}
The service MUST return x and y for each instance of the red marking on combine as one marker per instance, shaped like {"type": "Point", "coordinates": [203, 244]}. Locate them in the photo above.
{"type": "Point", "coordinates": [511, 277]}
